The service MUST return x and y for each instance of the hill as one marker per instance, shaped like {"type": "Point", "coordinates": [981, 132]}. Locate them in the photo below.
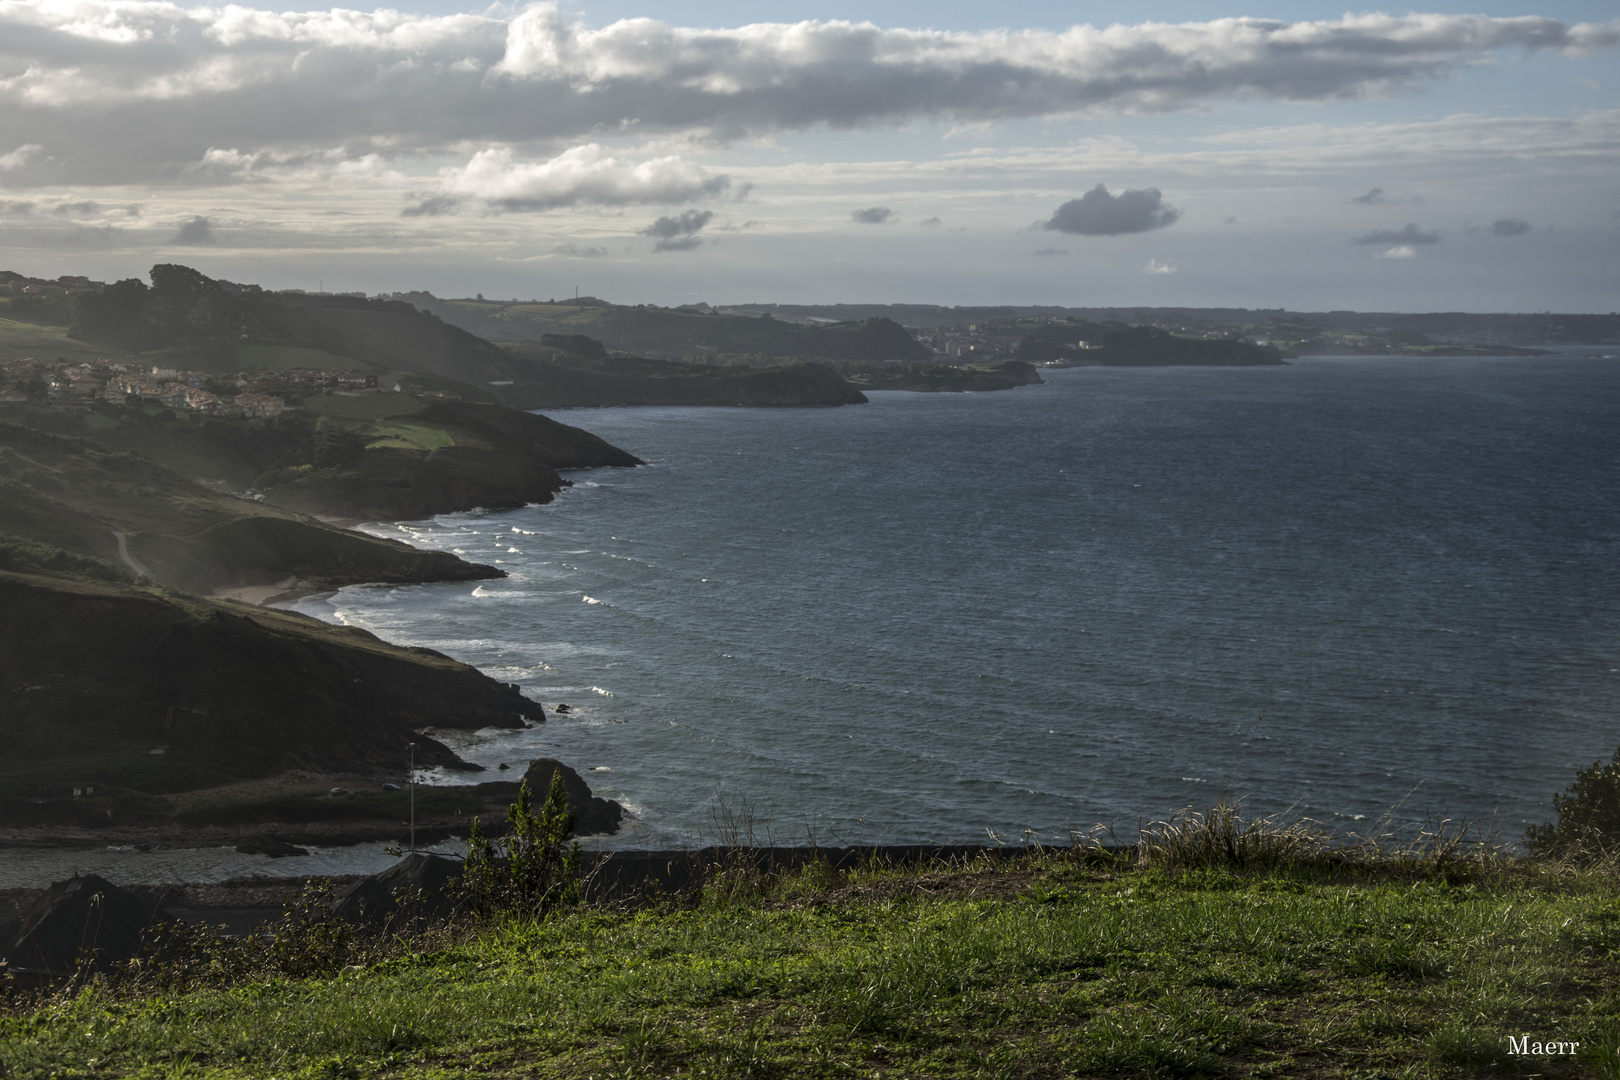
{"type": "Point", "coordinates": [186, 319]}
{"type": "Point", "coordinates": [947, 378]}
{"type": "Point", "coordinates": [135, 514]}
{"type": "Point", "coordinates": [1080, 342]}
{"type": "Point", "coordinates": [137, 692]}
{"type": "Point", "coordinates": [694, 332]}
{"type": "Point", "coordinates": [574, 371]}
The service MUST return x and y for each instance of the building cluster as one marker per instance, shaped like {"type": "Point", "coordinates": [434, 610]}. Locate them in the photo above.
{"type": "Point", "coordinates": [14, 284]}
{"type": "Point", "coordinates": [970, 341]}
{"type": "Point", "coordinates": [112, 382]}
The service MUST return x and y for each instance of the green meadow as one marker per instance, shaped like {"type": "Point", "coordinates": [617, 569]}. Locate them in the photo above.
{"type": "Point", "coordinates": [1046, 965]}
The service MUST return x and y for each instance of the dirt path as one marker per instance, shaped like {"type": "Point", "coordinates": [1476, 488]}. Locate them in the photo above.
{"type": "Point", "coordinates": [37, 464]}
{"type": "Point", "coordinates": [129, 560]}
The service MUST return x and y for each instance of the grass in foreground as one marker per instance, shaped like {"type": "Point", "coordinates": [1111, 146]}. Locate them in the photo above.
{"type": "Point", "coordinates": [1043, 967]}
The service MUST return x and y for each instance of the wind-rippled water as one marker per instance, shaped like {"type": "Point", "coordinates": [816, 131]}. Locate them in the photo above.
{"type": "Point", "coordinates": [1345, 585]}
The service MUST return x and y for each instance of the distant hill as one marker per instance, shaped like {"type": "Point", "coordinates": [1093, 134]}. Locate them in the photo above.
{"type": "Point", "coordinates": [193, 320]}
{"type": "Point", "coordinates": [682, 333]}
{"type": "Point", "coordinates": [581, 374]}
{"type": "Point", "coordinates": [1526, 328]}
{"type": "Point", "coordinates": [186, 319]}
{"type": "Point", "coordinates": [1084, 343]}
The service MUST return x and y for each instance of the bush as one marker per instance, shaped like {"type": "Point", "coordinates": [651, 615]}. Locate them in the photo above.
{"type": "Point", "coordinates": [533, 868]}
{"type": "Point", "coordinates": [1588, 811]}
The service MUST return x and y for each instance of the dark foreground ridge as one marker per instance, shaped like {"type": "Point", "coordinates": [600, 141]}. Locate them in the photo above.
{"type": "Point", "coordinates": [113, 697]}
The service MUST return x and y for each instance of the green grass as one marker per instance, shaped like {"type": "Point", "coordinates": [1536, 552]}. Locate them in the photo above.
{"type": "Point", "coordinates": [20, 339]}
{"type": "Point", "coordinates": [362, 406]}
{"type": "Point", "coordinates": [1043, 969]}
{"type": "Point", "coordinates": [409, 435]}
{"type": "Point", "coordinates": [263, 357]}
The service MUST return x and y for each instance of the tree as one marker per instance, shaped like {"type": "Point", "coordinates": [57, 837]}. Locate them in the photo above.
{"type": "Point", "coordinates": [534, 867]}
{"type": "Point", "coordinates": [1588, 815]}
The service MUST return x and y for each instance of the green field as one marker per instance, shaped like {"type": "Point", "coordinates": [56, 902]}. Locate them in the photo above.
{"type": "Point", "coordinates": [1050, 967]}
{"type": "Point", "coordinates": [408, 435]}
{"type": "Point", "coordinates": [25, 339]}
{"type": "Point", "coordinates": [362, 406]}
{"type": "Point", "coordinates": [261, 357]}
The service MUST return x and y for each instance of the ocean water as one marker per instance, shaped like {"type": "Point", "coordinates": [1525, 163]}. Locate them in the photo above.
{"type": "Point", "coordinates": [1354, 587]}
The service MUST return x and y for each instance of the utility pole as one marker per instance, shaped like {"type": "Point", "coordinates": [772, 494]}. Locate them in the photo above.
{"type": "Point", "coordinates": [412, 783]}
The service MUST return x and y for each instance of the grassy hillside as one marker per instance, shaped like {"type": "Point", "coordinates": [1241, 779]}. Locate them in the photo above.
{"type": "Point", "coordinates": [19, 340]}
{"type": "Point", "coordinates": [378, 456]}
{"type": "Point", "coordinates": [560, 378]}
{"type": "Point", "coordinates": [128, 511]}
{"type": "Point", "coordinates": [678, 333]}
{"type": "Point", "coordinates": [946, 378]}
{"type": "Point", "coordinates": [187, 320]}
{"type": "Point", "coordinates": [1116, 344]}
{"type": "Point", "coordinates": [1050, 966]}
{"type": "Point", "coordinates": [95, 676]}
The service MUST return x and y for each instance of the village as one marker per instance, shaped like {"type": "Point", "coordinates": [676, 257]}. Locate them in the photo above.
{"type": "Point", "coordinates": [128, 383]}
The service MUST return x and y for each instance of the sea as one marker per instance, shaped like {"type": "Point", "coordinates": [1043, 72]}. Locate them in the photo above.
{"type": "Point", "coordinates": [1375, 592]}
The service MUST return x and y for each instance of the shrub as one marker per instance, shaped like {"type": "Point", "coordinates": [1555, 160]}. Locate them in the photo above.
{"type": "Point", "coordinates": [534, 867]}
{"type": "Point", "coordinates": [1588, 811]}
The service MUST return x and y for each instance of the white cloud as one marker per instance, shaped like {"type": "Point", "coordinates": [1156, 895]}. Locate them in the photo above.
{"type": "Point", "coordinates": [1154, 266]}
{"type": "Point", "coordinates": [583, 175]}
{"type": "Point", "coordinates": [1402, 252]}
{"type": "Point", "coordinates": [20, 156]}
{"type": "Point", "coordinates": [136, 88]}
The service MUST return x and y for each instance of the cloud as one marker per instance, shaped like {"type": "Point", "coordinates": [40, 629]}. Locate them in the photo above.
{"type": "Point", "coordinates": [1375, 197]}
{"type": "Point", "coordinates": [874, 215]}
{"type": "Point", "coordinates": [20, 157]}
{"type": "Point", "coordinates": [929, 223]}
{"type": "Point", "coordinates": [1403, 252]}
{"type": "Point", "coordinates": [1097, 213]}
{"type": "Point", "coordinates": [1590, 84]}
{"type": "Point", "coordinates": [677, 233]}
{"type": "Point", "coordinates": [743, 191]}
{"type": "Point", "coordinates": [585, 174]}
{"type": "Point", "coordinates": [1154, 266]}
{"type": "Point", "coordinates": [131, 87]}
{"type": "Point", "coordinates": [574, 252]}
{"type": "Point", "coordinates": [433, 206]}
{"type": "Point", "coordinates": [76, 209]}
{"type": "Point", "coordinates": [1049, 252]}
{"type": "Point", "coordinates": [1406, 235]}
{"type": "Point", "coordinates": [17, 208]}
{"type": "Point", "coordinates": [1509, 227]}
{"type": "Point", "coordinates": [196, 232]}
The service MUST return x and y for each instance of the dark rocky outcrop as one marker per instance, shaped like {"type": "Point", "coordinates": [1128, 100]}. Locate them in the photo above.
{"type": "Point", "coordinates": [83, 920]}
{"type": "Point", "coordinates": [98, 676]}
{"type": "Point", "coordinates": [596, 815]}
{"type": "Point", "coordinates": [422, 881]}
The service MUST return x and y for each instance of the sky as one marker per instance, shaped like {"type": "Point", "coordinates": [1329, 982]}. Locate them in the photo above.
{"type": "Point", "coordinates": [1276, 154]}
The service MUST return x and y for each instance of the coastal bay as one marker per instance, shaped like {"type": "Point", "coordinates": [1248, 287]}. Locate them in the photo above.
{"type": "Point", "coordinates": [1095, 600]}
